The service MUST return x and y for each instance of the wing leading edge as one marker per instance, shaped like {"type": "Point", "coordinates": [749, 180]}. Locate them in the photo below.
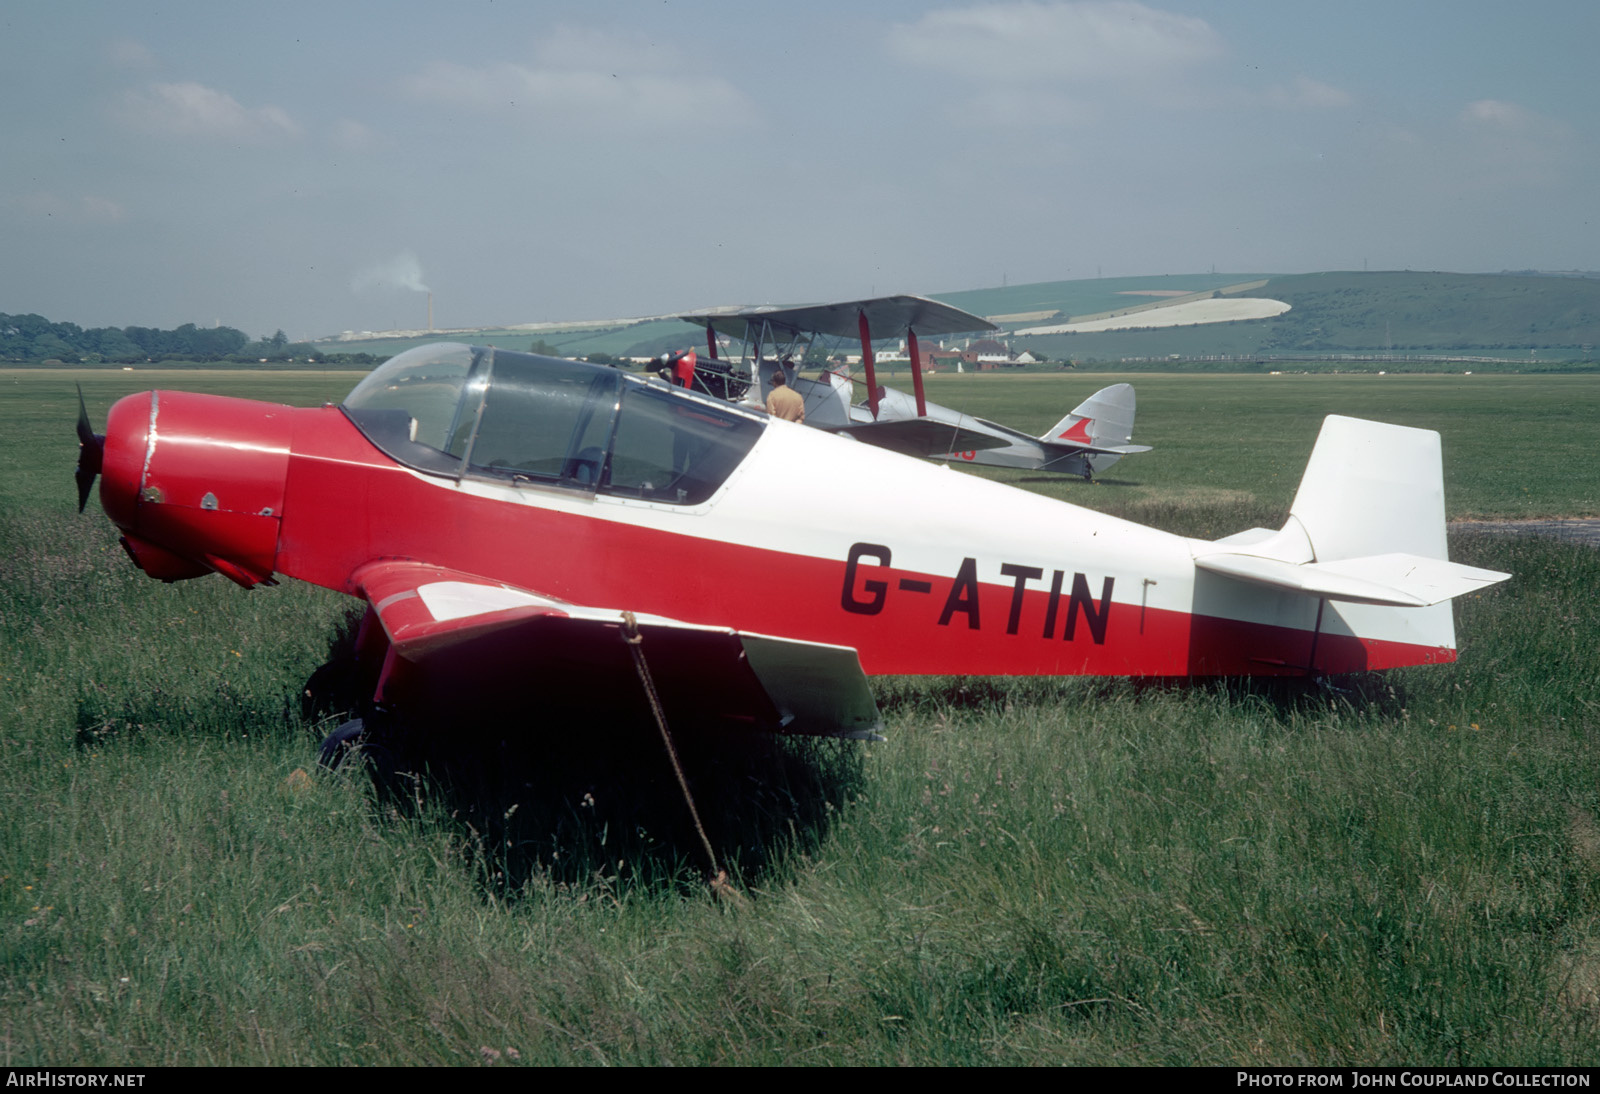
{"type": "Point", "coordinates": [892, 315]}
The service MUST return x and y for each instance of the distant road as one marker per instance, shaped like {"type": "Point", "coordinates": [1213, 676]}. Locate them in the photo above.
{"type": "Point", "coordinates": [1574, 529]}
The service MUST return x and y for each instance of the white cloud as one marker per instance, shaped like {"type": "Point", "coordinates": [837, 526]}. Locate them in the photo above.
{"type": "Point", "coordinates": [351, 136]}
{"type": "Point", "coordinates": [1101, 41]}
{"type": "Point", "coordinates": [131, 54]}
{"type": "Point", "coordinates": [1308, 94]}
{"type": "Point", "coordinates": [100, 210]}
{"type": "Point", "coordinates": [82, 209]}
{"type": "Point", "coordinates": [1040, 65]}
{"type": "Point", "coordinates": [1507, 145]}
{"type": "Point", "coordinates": [583, 78]}
{"type": "Point", "coordinates": [1494, 115]}
{"type": "Point", "coordinates": [403, 271]}
{"type": "Point", "coordinates": [1492, 157]}
{"type": "Point", "coordinates": [194, 110]}
{"type": "Point", "coordinates": [1023, 108]}
{"type": "Point", "coordinates": [583, 49]}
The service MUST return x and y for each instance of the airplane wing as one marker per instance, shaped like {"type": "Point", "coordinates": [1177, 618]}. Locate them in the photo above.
{"type": "Point", "coordinates": [885, 313]}
{"type": "Point", "coordinates": [457, 631]}
{"type": "Point", "coordinates": [942, 431]}
{"type": "Point", "coordinates": [920, 436]}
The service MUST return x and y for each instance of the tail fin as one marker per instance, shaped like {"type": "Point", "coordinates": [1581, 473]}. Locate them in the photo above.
{"type": "Point", "coordinates": [1365, 538]}
{"type": "Point", "coordinates": [1371, 488]}
{"type": "Point", "coordinates": [1366, 527]}
{"type": "Point", "coordinates": [1104, 419]}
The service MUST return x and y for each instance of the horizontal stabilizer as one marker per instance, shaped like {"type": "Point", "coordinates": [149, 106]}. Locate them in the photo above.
{"type": "Point", "coordinates": [1098, 449]}
{"type": "Point", "coordinates": [1398, 580]}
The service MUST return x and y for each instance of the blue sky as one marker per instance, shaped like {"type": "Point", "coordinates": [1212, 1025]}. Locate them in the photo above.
{"type": "Point", "coordinates": [312, 166]}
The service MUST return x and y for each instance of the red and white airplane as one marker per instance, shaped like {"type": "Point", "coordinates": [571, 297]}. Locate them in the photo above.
{"type": "Point", "coordinates": [510, 517]}
{"type": "Point", "coordinates": [1093, 436]}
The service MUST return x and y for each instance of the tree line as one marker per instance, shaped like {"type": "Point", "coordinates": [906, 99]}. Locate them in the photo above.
{"type": "Point", "coordinates": [35, 338]}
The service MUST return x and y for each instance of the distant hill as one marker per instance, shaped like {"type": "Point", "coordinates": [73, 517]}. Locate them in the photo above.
{"type": "Point", "coordinates": [1070, 299]}
{"type": "Point", "coordinates": [1516, 315]}
{"type": "Point", "coordinates": [1434, 311]}
{"type": "Point", "coordinates": [1400, 312]}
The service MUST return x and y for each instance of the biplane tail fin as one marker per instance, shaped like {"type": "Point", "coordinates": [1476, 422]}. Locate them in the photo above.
{"type": "Point", "coordinates": [1103, 420]}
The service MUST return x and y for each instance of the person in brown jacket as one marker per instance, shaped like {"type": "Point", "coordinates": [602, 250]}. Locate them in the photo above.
{"type": "Point", "coordinates": [784, 401]}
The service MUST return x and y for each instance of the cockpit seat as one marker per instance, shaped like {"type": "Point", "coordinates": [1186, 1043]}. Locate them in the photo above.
{"type": "Point", "coordinates": [584, 468]}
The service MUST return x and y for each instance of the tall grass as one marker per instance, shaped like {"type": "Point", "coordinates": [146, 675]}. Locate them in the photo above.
{"type": "Point", "coordinates": [1028, 871]}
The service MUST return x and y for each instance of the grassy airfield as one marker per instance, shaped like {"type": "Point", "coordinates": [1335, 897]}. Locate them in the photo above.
{"type": "Point", "coordinates": [1027, 871]}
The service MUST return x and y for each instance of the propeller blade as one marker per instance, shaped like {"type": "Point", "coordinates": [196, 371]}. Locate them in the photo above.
{"type": "Point", "coordinates": [91, 453]}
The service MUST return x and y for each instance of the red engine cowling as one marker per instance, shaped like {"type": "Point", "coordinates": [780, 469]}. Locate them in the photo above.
{"type": "Point", "coordinates": [196, 483]}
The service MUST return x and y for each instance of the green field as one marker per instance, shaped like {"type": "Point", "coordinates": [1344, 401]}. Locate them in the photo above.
{"type": "Point", "coordinates": [1026, 871]}
{"type": "Point", "coordinates": [1515, 446]}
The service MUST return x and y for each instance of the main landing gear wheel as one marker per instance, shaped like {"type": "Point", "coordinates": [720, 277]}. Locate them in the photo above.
{"type": "Point", "coordinates": [371, 742]}
{"type": "Point", "coordinates": [350, 739]}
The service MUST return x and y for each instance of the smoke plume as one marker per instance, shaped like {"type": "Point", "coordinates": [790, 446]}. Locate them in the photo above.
{"type": "Point", "coordinates": [403, 271]}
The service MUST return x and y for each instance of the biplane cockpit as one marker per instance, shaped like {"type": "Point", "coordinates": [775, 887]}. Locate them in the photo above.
{"type": "Point", "coordinates": [475, 411]}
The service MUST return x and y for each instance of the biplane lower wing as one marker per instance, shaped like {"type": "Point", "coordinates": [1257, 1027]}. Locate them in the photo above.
{"type": "Point", "coordinates": [449, 632]}
{"type": "Point", "coordinates": [927, 437]}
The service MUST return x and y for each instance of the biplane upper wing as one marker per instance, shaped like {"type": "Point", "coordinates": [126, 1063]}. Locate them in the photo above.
{"type": "Point", "coordinates": [889, 314]}
{"type": "Point", "coordinates": [464, 627]}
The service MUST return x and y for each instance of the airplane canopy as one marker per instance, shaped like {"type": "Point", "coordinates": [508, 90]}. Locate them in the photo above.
{"type": "Point", "coordinates": [526, 420]}
{"type": "Point", "coordinates": [887, 316]}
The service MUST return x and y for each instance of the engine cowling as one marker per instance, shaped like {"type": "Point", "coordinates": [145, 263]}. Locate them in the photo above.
{"type": "Point", "coordinates": [196, 483]}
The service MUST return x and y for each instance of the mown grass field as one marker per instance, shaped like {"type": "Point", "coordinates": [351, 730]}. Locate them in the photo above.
{"type": "Point", "coordinates": [1515, 446]}
{"type": "Point", "coordinates": [1027, 871]}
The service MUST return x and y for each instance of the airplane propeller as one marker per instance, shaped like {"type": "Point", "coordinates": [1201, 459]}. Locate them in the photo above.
{"type": "Point", "coordinates": [91, 453]}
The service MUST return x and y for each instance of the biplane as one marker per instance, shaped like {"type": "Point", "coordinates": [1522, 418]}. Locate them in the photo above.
{"type": "Point", "coordinates": [1096, 434]}
{"type": "Point", "coordinates": [526, 522]}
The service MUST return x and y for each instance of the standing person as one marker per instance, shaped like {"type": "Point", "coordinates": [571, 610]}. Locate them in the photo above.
{"type": "Point", "coordinates": [784, 401]}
